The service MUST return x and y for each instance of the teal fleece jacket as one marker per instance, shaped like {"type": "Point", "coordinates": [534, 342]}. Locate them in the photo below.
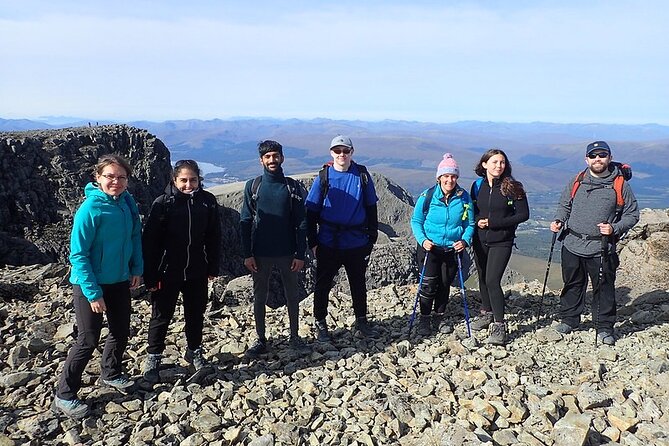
{"type": "Point", "coordinates": [106, 241]}
{"type": "Point", "coordinates": [446, 222]}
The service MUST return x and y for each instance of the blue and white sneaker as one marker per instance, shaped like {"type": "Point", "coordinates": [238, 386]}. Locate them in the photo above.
{"type": "Point", "coordinates": [120, 383]}
{"type": "Point", "coordinates": [74, 408]}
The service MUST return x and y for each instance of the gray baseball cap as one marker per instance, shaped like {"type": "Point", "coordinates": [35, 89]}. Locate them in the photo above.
{"type": "Point", "coordinates": [340, 140]}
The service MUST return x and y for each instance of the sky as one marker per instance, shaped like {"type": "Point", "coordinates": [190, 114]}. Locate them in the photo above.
{"type": "Point", "coordinates": [436, 61]}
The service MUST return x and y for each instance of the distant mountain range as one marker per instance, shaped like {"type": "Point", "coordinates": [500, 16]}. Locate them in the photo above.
{"type": "Point", "coordinates": [544, 155]}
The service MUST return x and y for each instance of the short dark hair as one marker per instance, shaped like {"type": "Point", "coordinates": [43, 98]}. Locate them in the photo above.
{"type": "Point", "coordinates": [268, 146]}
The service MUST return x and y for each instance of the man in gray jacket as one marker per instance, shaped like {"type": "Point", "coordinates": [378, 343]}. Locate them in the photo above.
{"type": "Point", "coordinates": [594, 211]}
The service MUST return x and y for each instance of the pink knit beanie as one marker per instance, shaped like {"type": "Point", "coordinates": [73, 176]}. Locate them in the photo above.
{"type": "Point", "coordinates": [448, 165]}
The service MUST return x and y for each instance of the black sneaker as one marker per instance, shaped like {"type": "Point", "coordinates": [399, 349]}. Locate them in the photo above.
{"type": "Point", "coordinates": [482, 321]}
{"type": "Point", "coordinates": [606, 337]}
{"type": "Point", "coordinates": [563, 328]}
{"type": "Point", "coordinates": [497, 334]}
{"type": "Point", "coordinates": [365, 328]}
{"type": "Point", "coordinates": [120, 383]}
{"type": "Point", "coordinates": [322, 332]}
{"type": "Point", "coordinates": [424, 325]}
{"type": "Point", "coordinates": [440, 324]}
{"type": "Point", "coordinates": [196, 358]}
{"type": "Point", "coordinates": [74, 408]}
{"type": "Point", "coordinates": [152, 367]}
{"type": "Point", "coordinates": [297, 344]}
{"type": "Point", "coordinates": [257, 349]}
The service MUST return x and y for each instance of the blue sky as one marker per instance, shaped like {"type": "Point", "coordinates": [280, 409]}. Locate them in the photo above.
{"type": "Point", "coordinates": [437, 61]}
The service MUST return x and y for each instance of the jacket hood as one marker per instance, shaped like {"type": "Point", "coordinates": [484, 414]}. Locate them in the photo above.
{"type": "Point", "coordinates": [92, 189]}
{"type": "Point", "coordinates": [171, 190]}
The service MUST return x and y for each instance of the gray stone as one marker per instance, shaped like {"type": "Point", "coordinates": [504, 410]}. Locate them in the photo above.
{"type": "Point", "coordinates": [572, 430]}
{"type": "Point", "coordinates": [16, 379]}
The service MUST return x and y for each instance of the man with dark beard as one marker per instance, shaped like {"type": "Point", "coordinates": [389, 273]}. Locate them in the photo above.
{"type": "Point", "coordinates": [592, 217]}
{"type": "Point", "coordinates": [273, 232]}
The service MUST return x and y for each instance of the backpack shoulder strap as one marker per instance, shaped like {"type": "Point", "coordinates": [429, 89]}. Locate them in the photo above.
{"type": "Point", "coordinates": [428, 199]}
{"type": "Point", "coordinates": [255, 188]}
{"type": "Point", "coordinates": [476, 187]}
{"type": "Point", "coordinates": [618, 187]}
{"type": "Point", "coordinates": [364, 174]}
{"type": "Point", "coordinates": [324, 181]}
{"type": "Point", "coordinates": [577, 183]}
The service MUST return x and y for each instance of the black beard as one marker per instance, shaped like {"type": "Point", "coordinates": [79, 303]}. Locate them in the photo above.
{"type": "Point", "coordinates": [599, 168]}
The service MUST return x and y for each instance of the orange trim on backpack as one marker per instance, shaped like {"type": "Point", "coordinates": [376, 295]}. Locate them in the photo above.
{"type": "Point", "coordinates": [617, 187]}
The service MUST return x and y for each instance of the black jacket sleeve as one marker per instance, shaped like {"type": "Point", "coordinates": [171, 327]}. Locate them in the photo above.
{"type": "Point", "coordinates": [312, 228]}
{"type": "Point", "coordinates": [246, 222]}
{"type": "Point", "coordinates": [153, 241]}
{"type": "Point", "coordinates": [213, 238]}
{"type": "Point", "coordinates": [372, 223]}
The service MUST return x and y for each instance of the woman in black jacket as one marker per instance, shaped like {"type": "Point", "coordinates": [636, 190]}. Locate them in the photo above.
{"type": "Point", "coordinates": [500, 204]}
{"type": "Point", "coordinates": [181, 244]}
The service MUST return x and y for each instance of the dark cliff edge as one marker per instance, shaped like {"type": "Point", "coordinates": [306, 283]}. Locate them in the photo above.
{"type": "Point", "coordinates": [42, 177]}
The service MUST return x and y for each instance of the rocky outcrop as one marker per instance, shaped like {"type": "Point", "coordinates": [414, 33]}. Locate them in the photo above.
{"type": "Point", "coordinates": [644, 253]}
{"type": "Point", "coordinates": [42, 175]}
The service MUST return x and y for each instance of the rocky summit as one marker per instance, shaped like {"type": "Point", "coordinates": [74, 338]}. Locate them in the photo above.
{"type": "Point", "coordinates": [542, 388]}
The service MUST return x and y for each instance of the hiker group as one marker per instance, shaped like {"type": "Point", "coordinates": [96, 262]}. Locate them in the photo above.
{"type": "Point", "coordinates": [179, 250]}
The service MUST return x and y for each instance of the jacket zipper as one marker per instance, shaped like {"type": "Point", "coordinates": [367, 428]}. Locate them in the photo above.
{"type": "Point", "coordinates": [190, 239]}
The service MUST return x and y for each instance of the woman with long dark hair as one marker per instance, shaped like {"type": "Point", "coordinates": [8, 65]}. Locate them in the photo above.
{"type": "Point", "coordinates": [500, 205]}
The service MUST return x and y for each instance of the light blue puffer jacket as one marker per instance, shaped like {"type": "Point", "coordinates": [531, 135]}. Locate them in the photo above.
{"type": "Point", "coordinates": [106, 242]}
{"type": "Point", "coordinates": [444, 224]}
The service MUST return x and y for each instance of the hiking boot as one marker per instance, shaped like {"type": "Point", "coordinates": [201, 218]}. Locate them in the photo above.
{"type": "Point", "coordinates": [120, 383]}
{"type": "Point", "coordinates": [363, 326]}
{"type": "Point", "coordinates": [258, 348]}
{"type": "Point", "coordinates": [74, 408]}
{"type": "Point", "coordinates": [497, 334]}
{"type": "Point", "coordinates": [196, 358]}
{"type": "Point", "coordinates": [482, 321]}
{"type": "Point", "coordinates": [152, 367]}
{"type": "Point", "coordinates": [423, 328]}
{"type": "Point", "coordinates": [563, 328]}
{"type": "Point", "coordinates": [297, 344]}
{"type": "Point", "coordinates": [606, 337]}
{"type": "Point", "coordinates": [440, 325]}
{"type": "Point", "coordinates": [323, 334]}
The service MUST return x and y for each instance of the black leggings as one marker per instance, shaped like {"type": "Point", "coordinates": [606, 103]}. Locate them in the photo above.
{"type": "Point", "coordinates": [491, 262]}
{"type": "Point", "coordinates": [440, 270]}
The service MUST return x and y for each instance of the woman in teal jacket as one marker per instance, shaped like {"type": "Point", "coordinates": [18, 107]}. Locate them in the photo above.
{"type": "Point", "coordinates": [106, 258]}
{"type": "Point", "coordinates": [443, 225]}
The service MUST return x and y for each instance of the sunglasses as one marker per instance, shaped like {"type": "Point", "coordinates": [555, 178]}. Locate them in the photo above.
{"type": "Point", "coordinates": [340, 151]}
{"type": "Point", "coordinates": [592, 156]}
{"type": "Point", "coordinates": [190, 163]}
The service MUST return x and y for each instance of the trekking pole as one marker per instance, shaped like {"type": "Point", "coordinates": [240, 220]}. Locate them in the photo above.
{"type": "Point", "coordinates": [464, 294]}
{"type": "Point", "coordinates": [600, 278]}
{"type": "Point", "coordinates": [543, 289]}
{"type": "Point", "coordinates": [420, 283]}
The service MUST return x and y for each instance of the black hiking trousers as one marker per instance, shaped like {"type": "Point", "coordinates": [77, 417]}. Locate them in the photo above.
{"type": "Point", "coordinates": [329, 260]}
{"type": "Point", "coordinates": [440, 270]}
{"type": "Point", "coordinates": [164, 304]}
{"type": "Point", "coordinates": [89, 326]}
{"type": "Point", "coordinates": [575, 273]}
